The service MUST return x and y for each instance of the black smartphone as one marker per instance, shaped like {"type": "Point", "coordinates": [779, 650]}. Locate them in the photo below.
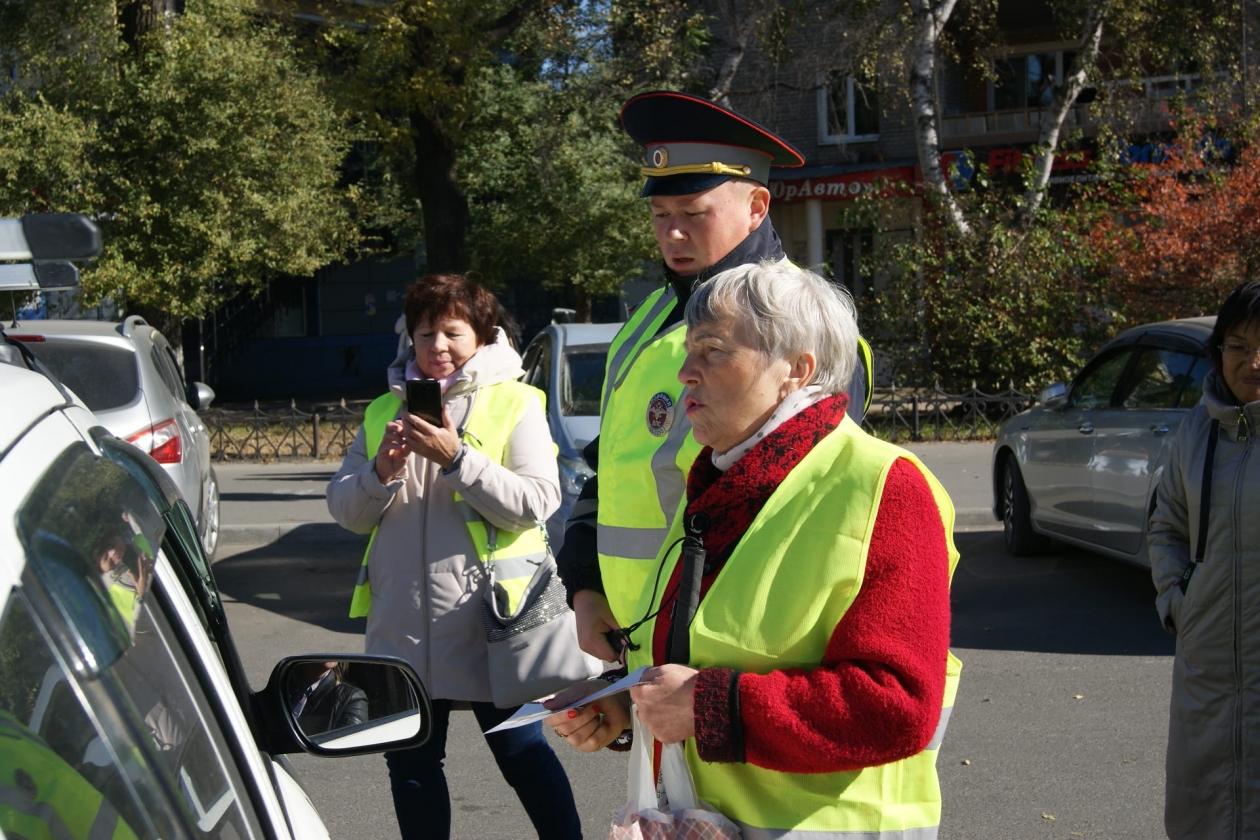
{"type": "Point", "coordinates": [424, 399]}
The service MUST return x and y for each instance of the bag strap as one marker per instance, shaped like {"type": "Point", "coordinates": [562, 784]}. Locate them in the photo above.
{"type": "Point", "coordinates": [1205, 505]}
{"type": "Point", "coordinates": [678, 643]}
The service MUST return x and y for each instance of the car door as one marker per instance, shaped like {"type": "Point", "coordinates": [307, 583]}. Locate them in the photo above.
{"type": "Point", "coordinates": [200, 434]}
{"type": "Point", "coordinates": [1060, 448]}
{"type": "Point", "coordinates": [94, 678]}
{"type": "Point", "coordinates": [196, 461]}
{"type": "Point", "coordinates": [1131, 438]}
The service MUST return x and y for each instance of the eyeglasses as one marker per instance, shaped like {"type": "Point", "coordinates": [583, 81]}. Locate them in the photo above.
{"type": "Point", "coordinates": [1239, 352]}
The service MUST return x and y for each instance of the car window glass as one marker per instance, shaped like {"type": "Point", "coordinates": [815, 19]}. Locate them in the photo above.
{"type": "Point", "coordinates": [1192, 392]}
{"type": "Point", "coordinates": [541, 376]}
{"type": "Point", "coordinates": [582, 382]}
{"type": "Point", "coordinates": [102, 375]}
{"type": "Point", "coordinates": [127, 709]}
{"type": "Point", "coordinates": [168, 375]}
{"type": "Point", "coordinates": [1096, 385]}
{"type": "Point", "coordinates": [1164, 378]}
{"type": "Point", "coordinates": [531, 358]}
{"type": "Point", "coordinates": [176, 372]}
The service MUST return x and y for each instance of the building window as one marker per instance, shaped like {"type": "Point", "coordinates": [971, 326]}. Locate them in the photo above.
{"type": "Point", "coordinates": [851, 254]}
{"type": "Point", "coordinates": [848, 111]}
{"type": "Point", "coordinates": [1027, 81]}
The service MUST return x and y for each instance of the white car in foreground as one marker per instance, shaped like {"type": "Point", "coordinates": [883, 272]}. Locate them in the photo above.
{"type": "Point", "coordinates": [124, 709]}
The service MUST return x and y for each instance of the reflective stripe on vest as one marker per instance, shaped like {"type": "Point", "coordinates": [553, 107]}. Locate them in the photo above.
{"type": "Point", "coordinates": [495, 412]}
{"type": "Point", "coordinates": [643, 473]}
{"type": "Point", "coordinates": [759, 617]}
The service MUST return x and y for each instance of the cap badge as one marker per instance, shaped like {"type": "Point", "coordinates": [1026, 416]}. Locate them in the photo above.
{"type": "Point", "coordinates": [660, 413]}
{"type": "Point", "coordinates": [660, 157]}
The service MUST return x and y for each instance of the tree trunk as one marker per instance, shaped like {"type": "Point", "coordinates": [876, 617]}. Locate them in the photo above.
{"type": "Point", "coordinates": [137, 18]}
{"type": "Point", "coordinates": [739, 30]}
{"type": "Point", "coordinates": [930, 17]}
{"type": "Point", "coordinates": [581, 305]}
{"type": "Point", "coordinates": [1056, 112]}
{"type": "Point", "coordinates": [442, 200]}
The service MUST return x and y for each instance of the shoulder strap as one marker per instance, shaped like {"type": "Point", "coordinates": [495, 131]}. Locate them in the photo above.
{"type": "Point", "coordinates": [1205, 504]}
{"type": "Point", "coordinates": [1205, 494]}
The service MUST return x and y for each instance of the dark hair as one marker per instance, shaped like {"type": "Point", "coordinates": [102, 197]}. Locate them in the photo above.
{"type": "Point", "coordinates": [453, 296]}
{"type": "Point", "coordinates": [1241, 306]}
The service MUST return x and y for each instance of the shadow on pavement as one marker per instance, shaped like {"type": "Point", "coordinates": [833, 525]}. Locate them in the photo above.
{"type": "Point", "coordinates": [311, 583]}
{"type": "Point", "coordinates": [1070, 601]}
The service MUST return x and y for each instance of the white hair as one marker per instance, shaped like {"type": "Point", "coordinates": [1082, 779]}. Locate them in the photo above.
{"type": "Point", "coordinates": [785, 311]}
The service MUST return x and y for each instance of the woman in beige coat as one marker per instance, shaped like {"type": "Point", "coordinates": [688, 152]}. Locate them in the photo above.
{"type": "Point", "coordinates": [425, 578]}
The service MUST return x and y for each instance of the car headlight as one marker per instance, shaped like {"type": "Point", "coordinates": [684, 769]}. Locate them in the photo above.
{"type": "Point", "coordinates": [573, 475]}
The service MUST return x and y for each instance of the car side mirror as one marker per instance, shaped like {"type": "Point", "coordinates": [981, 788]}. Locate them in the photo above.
{"type": "Point", "coordinates": [1053, 396]}
{"type": "Point", "coordinates": [342, 704]}
{"type": "Point", "coordinates": [199, 395]}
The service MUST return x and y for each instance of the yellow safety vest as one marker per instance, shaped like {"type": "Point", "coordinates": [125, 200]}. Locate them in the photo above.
{"type": "Point", "coordinates": [495, 413]}
{"type": "Point", "coordinates": [774, 605]}
{"type": "Point", "coordinates": [646, 448]}
{"type": "Point", "coordinates": [44, 798]}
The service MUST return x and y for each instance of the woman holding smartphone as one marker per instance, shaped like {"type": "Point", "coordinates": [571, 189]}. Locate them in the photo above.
{"type": "Point", "coordinates": [437, 495]}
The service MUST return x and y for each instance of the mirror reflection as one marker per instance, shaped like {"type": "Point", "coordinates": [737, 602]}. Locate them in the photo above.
{"type": "Point", "coordinates": [340, 704]}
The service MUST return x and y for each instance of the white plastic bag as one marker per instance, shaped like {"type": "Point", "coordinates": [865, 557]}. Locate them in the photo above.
{"type": "Point", "coordinates": [682, 816]}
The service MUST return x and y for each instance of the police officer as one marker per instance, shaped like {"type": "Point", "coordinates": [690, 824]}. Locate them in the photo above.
{"type": "Point", "coordinates": [707, 172]}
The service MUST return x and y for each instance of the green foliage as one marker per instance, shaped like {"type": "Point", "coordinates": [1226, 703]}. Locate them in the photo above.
{"type": "Point", "coordinates": [210, 157]}
{"type": "Point", "coordinates": [554, 188]}
{"type": "Point", "coordinates": [505, 113]}
{"type": "Point", "coordinates": [46, 158]}
{"type": "Point", "coordinates": [1007, 305]}
{"type": "Point", "coordinates": [226, 154]}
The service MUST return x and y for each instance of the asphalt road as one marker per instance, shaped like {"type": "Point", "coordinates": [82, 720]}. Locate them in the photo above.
{"type": "Point", "coordinates": [1058, 730]}
{"type": "Point", "coordinates": [266, 502]}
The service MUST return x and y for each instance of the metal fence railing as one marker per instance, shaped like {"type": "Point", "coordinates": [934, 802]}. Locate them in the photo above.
{"type": "Point", "coordinates": [258, 434]}
{"type": "Point", "coordinates": [916, 414]}
{"type": "Point", "coordinates": [897, 414]}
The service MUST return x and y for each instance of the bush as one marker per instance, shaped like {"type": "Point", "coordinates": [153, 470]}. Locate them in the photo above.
{"type": "Point", "coordinates": [1008, 305]}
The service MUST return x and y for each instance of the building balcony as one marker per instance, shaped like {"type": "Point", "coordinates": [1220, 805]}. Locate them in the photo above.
{"type": "Point", "coordinates": [1143, 106]}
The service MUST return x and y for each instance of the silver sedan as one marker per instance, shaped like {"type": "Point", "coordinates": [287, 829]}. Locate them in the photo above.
{"type": "Point", "coordinates": [1083, 465]}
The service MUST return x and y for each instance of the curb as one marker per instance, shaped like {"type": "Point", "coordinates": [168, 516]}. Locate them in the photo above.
{"type": "Point", "coordinates": [330, 533]}
{"type": "Point", "coordinates": [976, 520]}
{"type": "Point", "coordinates": [303, 533]}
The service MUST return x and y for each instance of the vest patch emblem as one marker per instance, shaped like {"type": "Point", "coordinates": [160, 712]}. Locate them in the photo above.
{"type": "Point", "coordinates": [660, 413]}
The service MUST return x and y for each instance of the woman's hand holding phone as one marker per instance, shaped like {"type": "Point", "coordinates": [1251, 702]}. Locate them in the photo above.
{"type": "Point", "coordinates": [440, 444]}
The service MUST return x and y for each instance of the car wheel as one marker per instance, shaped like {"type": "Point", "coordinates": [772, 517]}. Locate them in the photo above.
{"type": "Point", "coordinates": [210, 517]}
{"type": "Point", "coordinates": [1016, 520]}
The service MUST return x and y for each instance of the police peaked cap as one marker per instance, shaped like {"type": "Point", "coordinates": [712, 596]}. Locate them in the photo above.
{"type": "Point", "coordinates": [693, 145]}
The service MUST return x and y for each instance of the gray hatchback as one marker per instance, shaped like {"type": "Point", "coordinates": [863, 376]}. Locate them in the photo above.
{"type": "Point", "coordinates": [129, 377]}
{"type": "Point", "coordinates": [1083, 465]}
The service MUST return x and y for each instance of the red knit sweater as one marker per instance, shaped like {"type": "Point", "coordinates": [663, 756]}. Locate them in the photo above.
{"type": "Point", "coordinates": [876, 695]}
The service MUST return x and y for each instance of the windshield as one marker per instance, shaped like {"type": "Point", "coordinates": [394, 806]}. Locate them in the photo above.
{"type": "Point", "coordinates": [582, 379]}
{"type": "Point", "coordinates": [102, 375]}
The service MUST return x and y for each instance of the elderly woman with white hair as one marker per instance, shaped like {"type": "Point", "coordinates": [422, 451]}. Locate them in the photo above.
{"type": "Point", "coordinates": [797, 631]}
